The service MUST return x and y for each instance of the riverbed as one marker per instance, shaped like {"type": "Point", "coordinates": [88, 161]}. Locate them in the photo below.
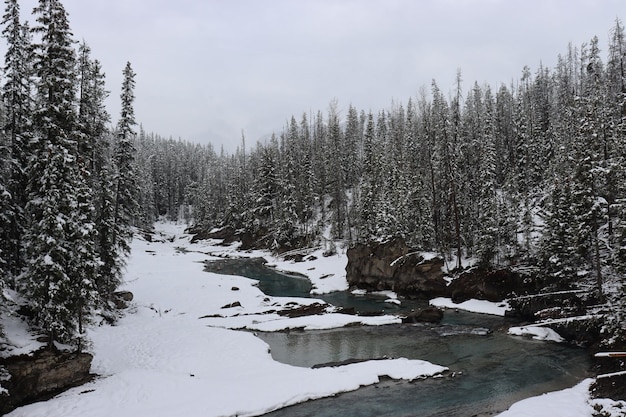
{"type": "Point", "coordinates": [489, 369]}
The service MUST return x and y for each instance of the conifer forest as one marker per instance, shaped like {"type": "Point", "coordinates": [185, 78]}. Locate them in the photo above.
{"type": "Point", "coordinates": [532, 173]}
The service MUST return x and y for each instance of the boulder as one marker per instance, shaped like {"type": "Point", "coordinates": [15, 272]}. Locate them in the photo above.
{"type": "Point", "coordinates": [491, 285]}
{"type": "Point", "coordinates": [121, 299]}
{"type": "Point", "coordinates": [553, 305]}
{"type": "Point", "coordinates": [43, 374]}
{"type": "Point", "coordinates": [424, 315]}
{"type": "Point", "coordinates": [392, 265]}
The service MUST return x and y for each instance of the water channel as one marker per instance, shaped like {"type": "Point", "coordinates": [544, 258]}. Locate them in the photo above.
{"type": "Point", "coordinates": [489, 370]}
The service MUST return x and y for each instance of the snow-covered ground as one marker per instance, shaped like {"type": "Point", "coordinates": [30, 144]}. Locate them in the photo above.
{"type": "Point", "coordinates": [164, 359]}
{"type": "Point", "coordinates": [176, 352]}
{"type": "Point", "coordinates": [474, 306]}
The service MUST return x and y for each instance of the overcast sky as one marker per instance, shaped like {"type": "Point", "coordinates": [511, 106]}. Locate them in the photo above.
{"type": "Point", "coordinates": [208, 69]}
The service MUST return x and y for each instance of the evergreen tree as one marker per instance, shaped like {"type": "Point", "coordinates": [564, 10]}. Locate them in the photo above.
{"type": "Point", "coordinates": [61, 261]}
{"type": "Point", "coordinates": [337, 182]}
{"type": "Point", "coordinates": [370, 187]}
{"type": "Point", "coordinates": [17, 126]}
{"type": "Point", "coordinates": [116, 245]}
{"type": "Point", "coordinates": [489, 218]}
{"type": "Point", "coordinates": [560, 257]}
{"type": "Point", "coordinates": [266, 188]}
{"type": "Point", "coordinates": [6, 207]}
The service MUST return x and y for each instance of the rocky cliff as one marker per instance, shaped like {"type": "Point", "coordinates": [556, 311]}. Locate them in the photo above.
{"type": "Point", "coordinates": [41, 375]}
{"type": "Point", "coordinates": [392, 265]}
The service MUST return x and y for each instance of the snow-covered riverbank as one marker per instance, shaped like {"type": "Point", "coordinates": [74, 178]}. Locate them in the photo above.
{"type": "Point", "coordinates": [175, 352]}
{"type": "Point", "coordinates": [163, 359]}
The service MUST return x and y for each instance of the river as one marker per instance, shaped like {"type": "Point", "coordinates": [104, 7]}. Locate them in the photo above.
{"type": "Point", "coordinates": [489, 370]}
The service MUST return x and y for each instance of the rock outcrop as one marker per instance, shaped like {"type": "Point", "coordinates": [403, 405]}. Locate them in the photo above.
{"type": "Point", "coordinates": [394, 266]}
{"type": "Point", "coordinates": [553, 305]}
{"type": "Point", "coordinates": [491, 285]}
{"type": "Point", "coordinates": [41, 375]}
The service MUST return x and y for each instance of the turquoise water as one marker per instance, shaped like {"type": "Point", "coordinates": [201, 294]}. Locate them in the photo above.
{"type": "Point", "coordinates": [489, 370]}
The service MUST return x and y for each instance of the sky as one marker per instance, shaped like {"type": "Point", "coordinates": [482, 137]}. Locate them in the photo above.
{"type": "Point", "coordinates": [209, 71]}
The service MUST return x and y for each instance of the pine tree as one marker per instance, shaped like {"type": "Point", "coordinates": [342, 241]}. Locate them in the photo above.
{"type": "Point", "coordinates": [337, 165]}
{"type": "Point", "coordinates": [489, 219]}
{"type": "Point", "coordinates": [17, 126]}
{"type": "Point", "coordinates": [61, 261]}
{"type": "Point", "coordinates": [558, 244]}
{"type": "Point", "coordinates": [117, 225]}
{"type": "Point", "coordinates": [266, 188]}
{"type": "Point", "coordinates": [370, 183]}
{"type": "Point", "coordinates": [6, 207]}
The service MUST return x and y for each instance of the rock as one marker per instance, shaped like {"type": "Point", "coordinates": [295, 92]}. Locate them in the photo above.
{"type": "Point", "coordinates": [392, 265]}
{"type": "Point", "coordinates": [234, 289]}
{"type": "Point", "coordinates": [427, 315]}
{"type": "Point", "coordinates": [304, 310]}
{"type": "Point", "coordinates": [121, 299]}
{"type": "Point", "coordinates": [491, 285]}
{"type": "Point", "coordinates": [226, 234]}
{"type": "Point", "coordinates": [554, 305]}
{"type": "Point", "coordinates": [42, 375]}
{"type": "Point", "coordinates": [232, 305]}
{"type": "Point", "coordinates": [613, 387]}
{"type": "Point", "coordinates": [295, 257]}
{"type": "Point", "coordinates": [580, 332]}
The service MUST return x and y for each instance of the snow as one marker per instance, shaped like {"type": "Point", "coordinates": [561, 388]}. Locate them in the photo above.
{"type": "Point", "coordinates": [566, 403]}
{"type": "Point", "coordinates": [175, 352]}
{"type": "Point", "coordinates": [537, 333]}
{"type": "Point", "coordinates": [474, 306]}
{"type": "Point", "coordinates": [610, 354]}
{"type": "Point", "coordinates": [18, 339]}
{"type": "Point", "coordinates": [569, 402]}
{"type": "Point", "coordinates": [611, 375]}
{"type": "Point", "coordinates": [166, 357]}
{"type": "Point", "coordinates": [387, 294]}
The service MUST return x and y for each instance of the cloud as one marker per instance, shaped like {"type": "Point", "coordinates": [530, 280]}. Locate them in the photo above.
{"type": "Point", "coordinates": [208, 69]}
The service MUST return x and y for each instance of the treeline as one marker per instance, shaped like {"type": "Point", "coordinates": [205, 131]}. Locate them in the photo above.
{"type": "Point", "coordinates": [68, 188]}
{"type": "Point", "coordinates": [529, 173]}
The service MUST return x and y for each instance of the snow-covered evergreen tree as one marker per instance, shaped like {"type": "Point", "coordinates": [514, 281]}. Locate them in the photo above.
{"type": "Point", "coordinates": [119, 210]}
{"type": "Point", "coordinates": [370, 188]}
{"type": "Point", "coordinates": [17, 126]}
{"type": "Point", "coordinates": [59, 280]}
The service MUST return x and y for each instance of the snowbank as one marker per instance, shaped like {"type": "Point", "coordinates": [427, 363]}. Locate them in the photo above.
{"type": "Point", "coordinates": [474, 306]}
{"type": "Point", "coordinates": [567, 403]}
{"type": "Point", "coordinates": [537, 333]}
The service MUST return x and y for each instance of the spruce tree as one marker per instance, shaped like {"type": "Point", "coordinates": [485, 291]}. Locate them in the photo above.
{"type": "Point", "coordinates": [370, 183]}
{"type": "Point", "coordinates": [119, 211]}
{"type": "Point", "coordinates": [61, 261]}
{"type": "Point", "coordinates": [17, 126]}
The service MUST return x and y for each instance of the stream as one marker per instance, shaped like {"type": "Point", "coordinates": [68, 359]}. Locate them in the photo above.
{"type": "Point", "coordinates": [489, 370]}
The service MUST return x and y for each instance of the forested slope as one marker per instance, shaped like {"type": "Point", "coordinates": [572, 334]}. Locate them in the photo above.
{"type": "Point", "coordinates": [528, 173]}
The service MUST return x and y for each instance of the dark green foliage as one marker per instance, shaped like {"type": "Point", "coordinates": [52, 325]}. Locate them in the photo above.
{"type": "Point", "coordinates": [63, 241]}
{"type": "Point", "coordinates": [18, 105]}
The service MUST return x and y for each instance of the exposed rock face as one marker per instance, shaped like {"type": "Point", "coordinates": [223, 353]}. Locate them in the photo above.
{"type": "Point", "coordinates": [554, 305]}
{"type": "Point", "coordinates": [227, 234]}
{"type": "Point", "coordinates": [41, 375]}
{"type": "Point", "coordinates": [491, 285]}
{"type": "Point", "coordinates": [394, 266]}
